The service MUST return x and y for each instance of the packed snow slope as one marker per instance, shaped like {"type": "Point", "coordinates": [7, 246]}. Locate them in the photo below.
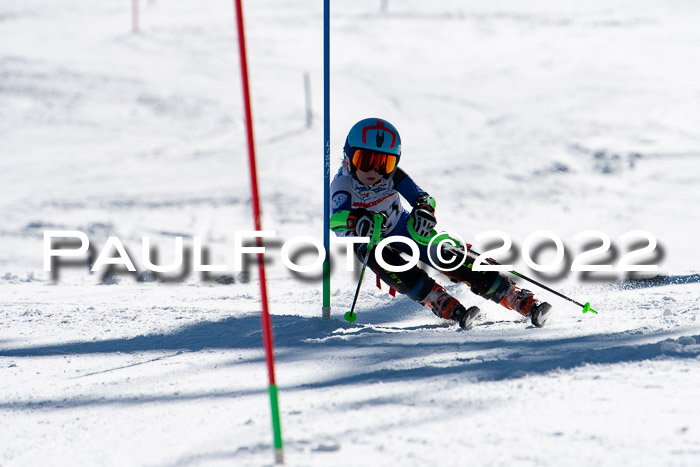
{"type": "Point", "coordinates": [516, 116]}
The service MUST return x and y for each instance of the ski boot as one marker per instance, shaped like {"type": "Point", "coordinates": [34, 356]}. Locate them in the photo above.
{"type": "Point", "coordinates": [446, 306]}
{"type": "Point", "coordinates": [525, 303]}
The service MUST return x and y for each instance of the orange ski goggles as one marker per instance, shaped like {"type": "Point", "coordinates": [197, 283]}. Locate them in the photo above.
{"type": "Point", "coordinates": [366, 160]}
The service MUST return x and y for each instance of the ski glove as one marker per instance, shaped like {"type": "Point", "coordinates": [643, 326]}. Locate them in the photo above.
{"type": "Point", "coordinates": [423, 215]}
{"type": "Point", "coordinates": [361, 222]}
{"type": "Point", "coordinates": [426, 202]}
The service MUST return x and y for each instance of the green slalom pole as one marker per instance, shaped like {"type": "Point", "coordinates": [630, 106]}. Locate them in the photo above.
{"type": "Point", "coordinates": [276, 424]}
{"type": "Point", "coordinates": [351, 316]}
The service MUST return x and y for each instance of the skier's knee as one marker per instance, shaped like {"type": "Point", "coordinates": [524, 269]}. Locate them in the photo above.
{"type": "Point", "coordinates": [421, 288]}
{"type": "Point", "coordinates": [492, 288]}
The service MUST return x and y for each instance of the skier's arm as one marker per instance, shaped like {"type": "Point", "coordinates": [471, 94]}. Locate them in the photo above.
{"type": "Point", "coordinates": [340, 207]}
{"type": "Point", "coordinates": [347, 220]}
{"type": "Point", "coordinates": [406, 187]}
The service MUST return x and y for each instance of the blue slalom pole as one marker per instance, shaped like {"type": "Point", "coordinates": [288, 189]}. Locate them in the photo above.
{"type": "Point", "coordinates": [326, 310]}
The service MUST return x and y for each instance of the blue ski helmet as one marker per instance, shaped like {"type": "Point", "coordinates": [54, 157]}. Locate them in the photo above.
{"type": "Point", "coordinates": [373, 143]}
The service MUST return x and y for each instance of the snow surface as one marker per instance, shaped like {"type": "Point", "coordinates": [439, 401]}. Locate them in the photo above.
{"type": "Point", "coordinates": [516, 116]}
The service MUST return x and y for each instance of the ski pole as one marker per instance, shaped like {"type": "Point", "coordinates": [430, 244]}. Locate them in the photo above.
{"type": "Point", "coordinates": [586, 307]}
{"type": "Point", "coordinates": [351, 316]}
{"type": "Point", "coordinates": [451, 248]}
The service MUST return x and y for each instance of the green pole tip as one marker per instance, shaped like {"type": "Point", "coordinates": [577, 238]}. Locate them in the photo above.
{"type": "Point", "coordinates": [350, 317]}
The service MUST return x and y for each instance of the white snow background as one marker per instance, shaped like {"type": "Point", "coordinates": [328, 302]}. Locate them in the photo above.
{"type": "Point", "coordinates": [516, 115]}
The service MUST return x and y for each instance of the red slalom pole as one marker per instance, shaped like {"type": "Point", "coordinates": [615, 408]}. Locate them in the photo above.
{"type": "Point", "coordinates": [266, 323]}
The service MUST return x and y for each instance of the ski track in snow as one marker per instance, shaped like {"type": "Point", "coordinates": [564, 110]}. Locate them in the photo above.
{"type": "Point", "coordinates": [517, 117]}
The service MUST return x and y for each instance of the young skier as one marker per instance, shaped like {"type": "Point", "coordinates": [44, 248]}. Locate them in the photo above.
{"type": "Point", "coordinates": [370, 182]}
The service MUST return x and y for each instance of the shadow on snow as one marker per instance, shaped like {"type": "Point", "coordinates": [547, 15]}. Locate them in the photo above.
{"type": "Point", "coordinates": [367, 351]}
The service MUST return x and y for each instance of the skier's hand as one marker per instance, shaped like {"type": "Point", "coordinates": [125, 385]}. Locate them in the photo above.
{"type": "Point", "coordinates": [425, 202]}
{"type": "Point", "coordinates": [423, 215]}
{"type": "Point", "coordinates": [423, 221]}
{"type": "Point", "coordinates": [361, 222]}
